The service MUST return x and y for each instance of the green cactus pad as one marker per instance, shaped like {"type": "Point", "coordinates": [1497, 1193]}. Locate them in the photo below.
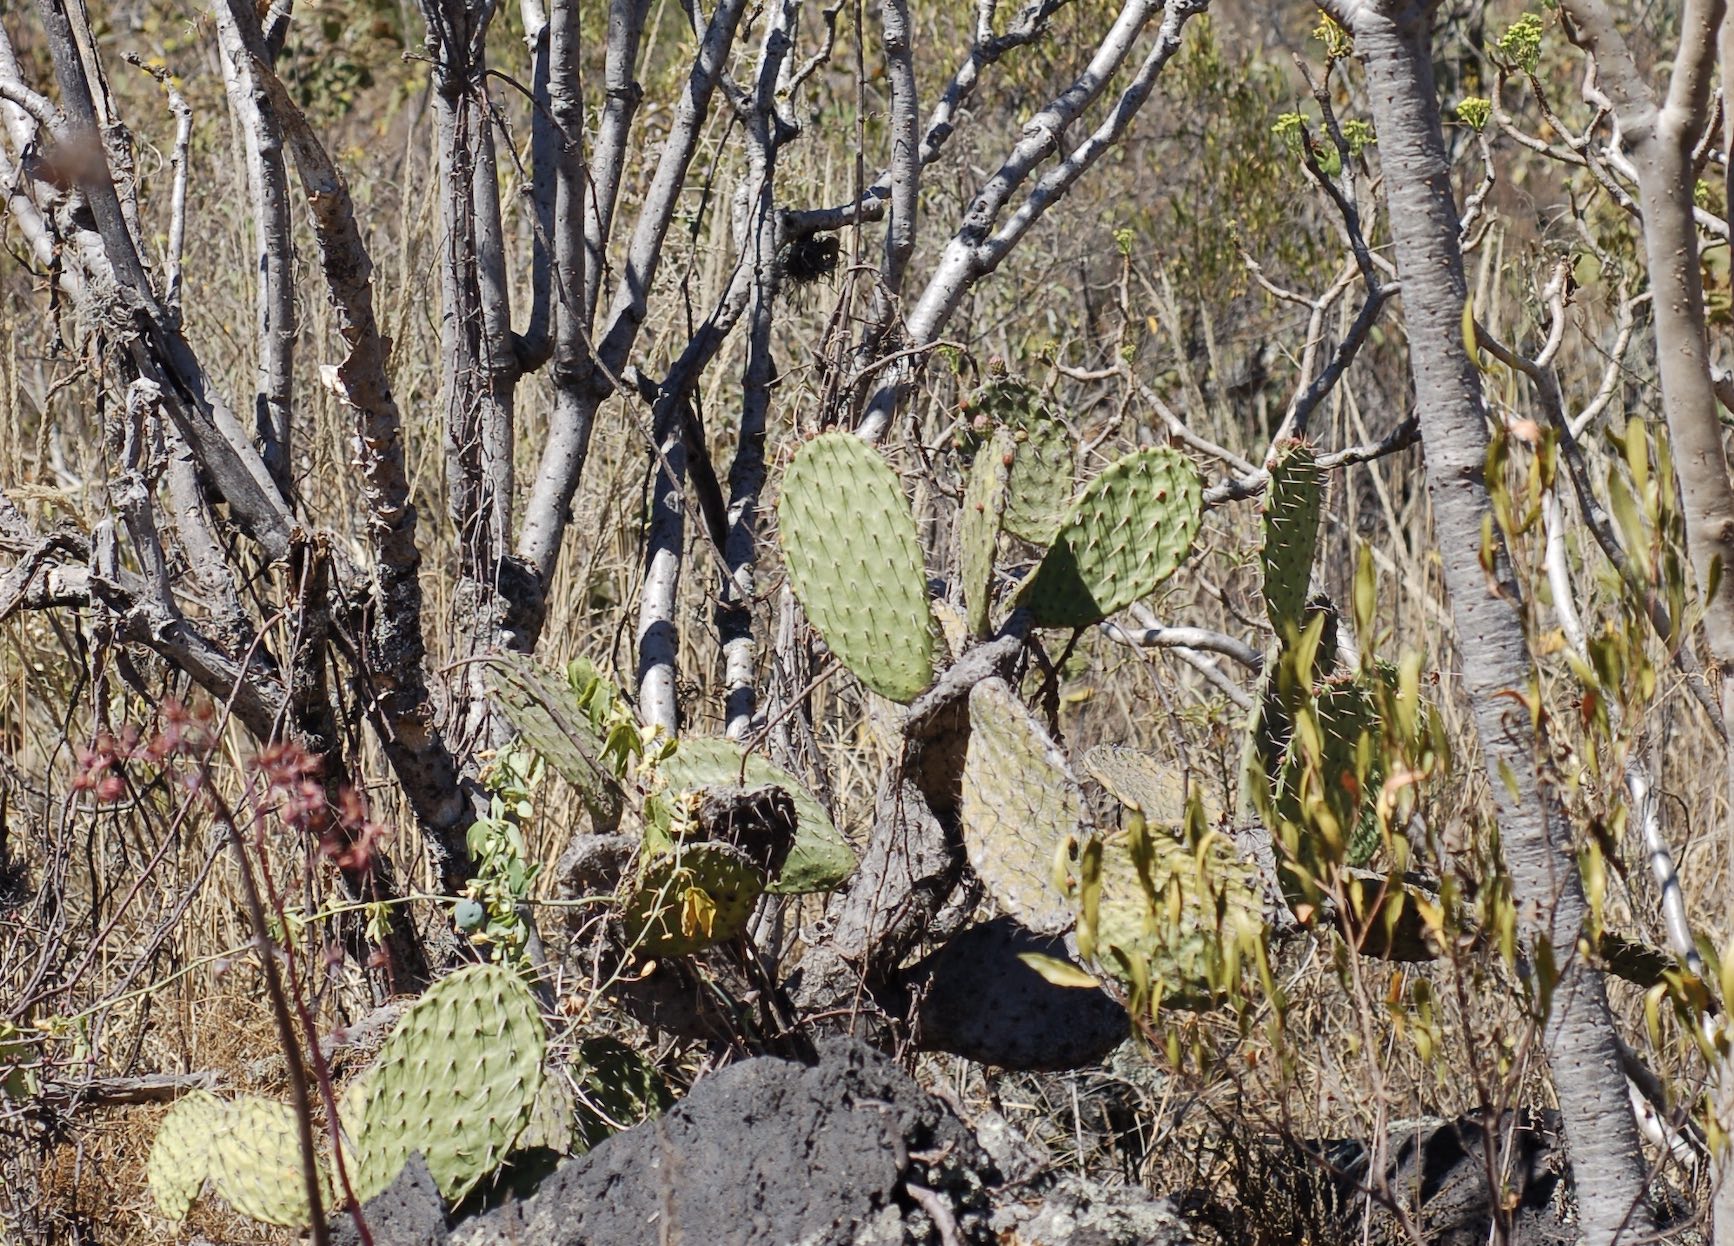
{"type": "Point", "coordinates": [256, 1163]}
{"type": "Point", "coordinates": [1138, 781]}
{"type": "Point", "coordinates": [1329, 782]}
{"type": "Point", "coordinates": [978, 527]}
{"type": "Point", "coordinates": [854, 561]}
{"type": "Point", "coordinates": [1041, 481]}
{"type": "Point", "coordinates": [547, 713]}
{"type": "Point", "coordinates": [691, 898]}
{"type": "Point", "coordinates": [181, 1157]}
{"type": "Point", "coordinates": [1292, 505]}
{"type": "Point", "coordinates": [1020, 804]}
{"type": "Point", "coordinates": [1128, 531]}
{"type": "Point", "coordinates": [457, 1081]}
{"type": "Point", "coordinates": [553, 1118]}
{"type": "Point", "coordinates": [1166, 917]}
{"type": "Point", "coordinates": [820, 859]}
{"type": "Point", "coordinates": [617, 1088]}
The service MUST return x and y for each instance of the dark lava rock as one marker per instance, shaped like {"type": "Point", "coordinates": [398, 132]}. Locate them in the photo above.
{"type": "Point", "coordinates": [409, 1212]}
{"type": "Point", "coordinates": [847, 1151]}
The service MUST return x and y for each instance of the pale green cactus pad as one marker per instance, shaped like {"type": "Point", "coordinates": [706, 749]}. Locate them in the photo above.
{"type": "Point", "coordinates": [1292, 505]}
{"type": "Point", "coordinates": [1042, 479]}
{"type": "Point", "coordinates": [1139, 781]}
{"type": "Point", "coordinates": [820, 859]}
{"type": "Point", "coordinates": [854, 561]}
{"type": "Point", "coordinates": [1020, 805]}
{"type": "Point", "coordinates": [1171, 920]}
{"type": "Point", "coordinates": [691, 898]}
{"type": "Point", "coordinates": [978, 527]}
{"type": "Point", "coordinates": [553, 1119]}
{"type": "Point", "coordinates": [256, 1163]}
{"type": "Point", "coordinates": [181, 1157]}
{"type": "Point", "coordinates": [547, 714]}
{"type": "Point", "coordinates": [1127, 532]}
{"type": "Point", "coordinates": [457, 1081]}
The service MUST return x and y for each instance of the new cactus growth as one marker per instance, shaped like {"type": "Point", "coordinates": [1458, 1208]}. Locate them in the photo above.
{"type": "Point", "coordinates": [978, 527]}
{"type": "Point", "coordinates": [1020, 803]}
{"type": "Point", "coordinates": [688, 899]}
{"type": "Point", "coordinates": [547, 713]}
{"type": "Point", "coordinates": [256, 1163]}
{"type": "Point", "coordinates": [1174, 921]}
{"type": "Point", "coordinates": [820, 859]}
{"type": "Point", "coordinates": [1291, 527]}
{"type": "Point", "coordinates": [1041, 480]}
{"type": "Point", "coordinates": [1042, 472]}
{"type": "Point", "coordinates": [181, 1157]}
{"type": "Point", "coordinates": [1126, 532]}
{"type": "Point", "coordinates": [854, 561]}
{"type": "Point", "coordinates": [457, 1080]}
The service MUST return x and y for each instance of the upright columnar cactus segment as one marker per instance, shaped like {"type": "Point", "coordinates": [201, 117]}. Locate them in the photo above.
{"type": "Point", "coordinates": [854, 561]}
{"type": "Point", "coordinates": [820, 859]}
{"type": "Point", "coordinates": [1127, 532]}
{"type": "Point", "coordinates": [547, 714]}
{"type": "Point", "coordinates": [181, 1157]}
{"type": "Point", "coordinates": [1164, 916]}
{"type": "Point", "coordinates": [457, 1081]}
{"type": "Point", "coordinates": [690, 898]}
{"type": "Point", "coordinates": [1020, 805]}
{"type": "Point", "coordinates": [256, 1163]}
{"type": "Point", "coordinates": [978, 527]}
{"type": "Point", "coordinates": [1291, 530]}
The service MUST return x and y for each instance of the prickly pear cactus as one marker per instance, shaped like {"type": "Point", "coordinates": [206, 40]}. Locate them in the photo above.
{"type": "Point", "coordinates": [457, 1080]}
{"type": "Point", "coordinates": [256, 1163]}
{"type": "Point", "coordinates": [854, 561]}
{"type": "Point", "coordinates": [1127, 532]}
{"type": "Point", "coordinates": [181, 1157]}
{"type": "Point", "coordinates": [820, 859]}
{"type": "Point", "coordinates": [1138, 781]}
{"type": "Point", "coordinates": [617, 1088]}
{"type": "Point", "coordinates": [1175, 922]}
{"type": "Point", "coordinates": [1331, 774]}
{"type": "Point", "coordinates": [1042, 466]}
{"type": "Point", "coordinates": [1020, 804]}
{"type": "Point", "coordinates": [546, 712]}
{"type": "Point", "coordinates": [1291, 529]}
{"type": "Point", "coordinates": [978, 527]}
{"type": "Point", "coordinates": [690, 898]}
{"type": "Point", "coordinates": [1041, 480]}
{"type": "Point", "coordinates": [554, 1117]}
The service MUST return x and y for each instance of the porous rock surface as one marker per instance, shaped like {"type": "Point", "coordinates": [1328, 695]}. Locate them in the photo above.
{"type": "Point", "coordinates": [848, 1151]}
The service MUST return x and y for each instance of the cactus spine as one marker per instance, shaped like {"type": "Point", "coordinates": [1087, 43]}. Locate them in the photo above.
{"type": "Point", "coordinates": [854, 561]}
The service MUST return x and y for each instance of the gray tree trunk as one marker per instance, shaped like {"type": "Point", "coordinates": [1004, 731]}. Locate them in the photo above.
{"type": "Point", "coordinates": [1392, 40]}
